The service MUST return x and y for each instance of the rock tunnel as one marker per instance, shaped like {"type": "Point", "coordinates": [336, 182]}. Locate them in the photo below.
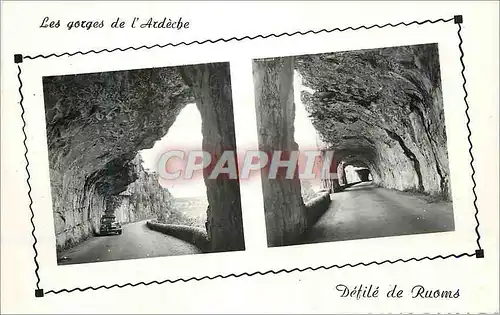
{"type": "Point", "coordinates": [96, 124]}
{"type": "Point", "coordinates": [380, 110]}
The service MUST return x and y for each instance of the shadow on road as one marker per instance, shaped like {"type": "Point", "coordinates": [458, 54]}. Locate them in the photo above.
{"type": "Point", "coordinates": [365, 210]}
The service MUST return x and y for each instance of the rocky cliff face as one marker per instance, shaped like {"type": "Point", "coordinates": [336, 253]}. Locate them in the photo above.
{"type": "Point", "coordinates": [284, 207]}
{"type": "Point", "coordinates": [145, 199]}
{"type": "Point", "coordinates": [382, 109]}
{"type": "Point", "coordinates": [96, 124]}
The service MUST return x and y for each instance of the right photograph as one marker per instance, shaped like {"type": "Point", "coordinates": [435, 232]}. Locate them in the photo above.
{"type": "Point", "coordinates": [356, 145]}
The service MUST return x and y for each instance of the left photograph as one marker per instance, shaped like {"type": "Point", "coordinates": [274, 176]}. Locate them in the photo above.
{"type": "Point", "coordinates": [130, 161]}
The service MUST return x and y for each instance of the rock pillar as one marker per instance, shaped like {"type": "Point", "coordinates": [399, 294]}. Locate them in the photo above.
{"type": "Point", "coordinates": [211, 85]}
{"type": "Point", "coordinates": [283, 204]}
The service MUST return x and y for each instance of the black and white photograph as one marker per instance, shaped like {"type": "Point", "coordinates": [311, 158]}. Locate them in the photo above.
{"type": "Point", "coordinates": [108, 134]}
{"type": "Point", "coordinates": [378, 115]}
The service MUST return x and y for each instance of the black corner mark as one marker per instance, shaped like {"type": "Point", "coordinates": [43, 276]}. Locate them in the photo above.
{"type": "Point", "coordinates": [18, 58]}
{"type": "Point", "coordinates": [458, 19]}
{"type": "Point", "coordinates": [479, 253]}
{"type": "Point", "coordinates": [39, 293]}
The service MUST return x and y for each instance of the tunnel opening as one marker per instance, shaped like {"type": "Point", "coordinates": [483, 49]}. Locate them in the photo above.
{"type": "Point", "coordinates": [188, 195]}
{"type": "Point", "coordinates": [356, 174]}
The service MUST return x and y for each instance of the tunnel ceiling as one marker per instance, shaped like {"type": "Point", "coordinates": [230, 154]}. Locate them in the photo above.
{"type": "Point", "coordinates": [97, 122]}
{"type": "Point", "coordinates": [383, 108]}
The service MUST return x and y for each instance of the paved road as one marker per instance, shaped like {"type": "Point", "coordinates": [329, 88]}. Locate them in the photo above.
{"type": "Point", "coordinates": [136, 241]}
{"type": "Point", "coordinates": [365, 211]}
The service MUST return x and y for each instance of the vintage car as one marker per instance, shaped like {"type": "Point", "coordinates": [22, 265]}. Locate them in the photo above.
{"type": "Point", "coordinates": [109, 225]}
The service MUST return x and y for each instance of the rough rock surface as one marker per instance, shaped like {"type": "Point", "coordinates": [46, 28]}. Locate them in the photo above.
{"type": "Point", "coordinates": [284, 208]}
{"type": "Point", "coordinates": [382, 109]}
{"type": "Point", "coordinates": [96, 124]}
{"type": "Point", "coordinates": [316, 207]}
{"type": "Point", "coordinates": [211, 85]}
{"type": "Point", "coordinates": [145, 199]}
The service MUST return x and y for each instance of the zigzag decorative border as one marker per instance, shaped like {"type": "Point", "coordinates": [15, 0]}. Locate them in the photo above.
{"type": "Point", "coordinates": [479, 253]}
{"type": "Point", "coordinates": [469, 136]}
{"type": "Point", "coordinates": [212, 41]}
{"type": "Point", "coordinates": [259, 273]}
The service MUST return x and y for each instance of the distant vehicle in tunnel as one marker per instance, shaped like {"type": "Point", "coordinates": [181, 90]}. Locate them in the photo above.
{"type": "Point", "coordinates": [109, 225]}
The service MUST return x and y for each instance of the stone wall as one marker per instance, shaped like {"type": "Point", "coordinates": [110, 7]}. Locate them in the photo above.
{"type": "Point", "coordinates": [190, 234]}
{"type": "Point", "coordinates": [316, 207]}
